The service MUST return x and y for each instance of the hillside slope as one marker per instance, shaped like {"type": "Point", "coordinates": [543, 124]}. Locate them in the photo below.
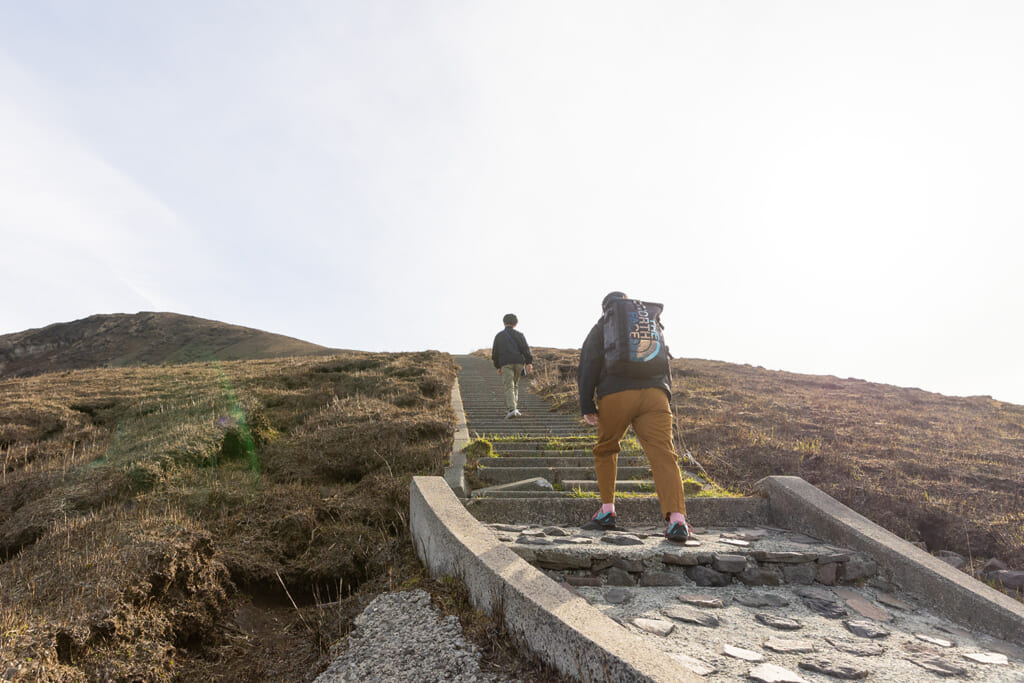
{"type": "Point", "coordinates": [121, 340]}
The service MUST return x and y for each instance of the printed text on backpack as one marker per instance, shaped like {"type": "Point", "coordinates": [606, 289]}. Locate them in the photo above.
{"type": "Point", "coordinates": [634, 341]}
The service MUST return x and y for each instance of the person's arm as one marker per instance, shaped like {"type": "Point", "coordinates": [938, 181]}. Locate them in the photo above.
{"type": "Point", "coordinates": [494, 353]}
{"type": "Point", "coordinates": [526, 350]}
{"type": "Point", "coordinates": [589, 371]}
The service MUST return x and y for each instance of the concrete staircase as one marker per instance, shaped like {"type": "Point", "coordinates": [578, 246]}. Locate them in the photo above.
{"type": "Point", "coordinates": [542, 454]}
{"type": "Point", "coordinates": [603, 606]}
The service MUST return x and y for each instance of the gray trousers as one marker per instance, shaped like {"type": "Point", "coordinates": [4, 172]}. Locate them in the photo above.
{"type": "Point", "coordinates": [510, 376]}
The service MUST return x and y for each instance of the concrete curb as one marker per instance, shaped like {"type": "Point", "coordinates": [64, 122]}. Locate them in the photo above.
{"type": "Point", "coordinates": [799, 506]}
{"type": "Point", "coordinates": [455, 473]}
{"type": "Point", "coordinates": [558, 626]}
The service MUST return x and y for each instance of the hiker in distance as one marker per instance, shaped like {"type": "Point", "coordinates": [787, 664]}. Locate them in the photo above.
{"type": "Point", "coordinates": [624, 380]}
{"type": "Point", "coordinates": [511, 355]}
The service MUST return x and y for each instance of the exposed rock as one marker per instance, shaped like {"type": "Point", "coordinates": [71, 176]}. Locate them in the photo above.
{"type": "Point", "coordinates": [556, 531]}
{"type": "Point", "coordinates": [993, 565]}
{"type": "Point", "coordinates": [833, 555]}
{"type": "Point", "coordinates": [858, 567]}
{"type": "Point", "coordinates": [583, 580]}
{"type": "Point", "coordinates": [552, 558]}
{"type": "Point", "coordinates": [861, 605]}
{"type": "Point", "coordinates": [800, 574]}
{"type": "Point", "coordinates": [783, 557]}
{"type": "Point", "coordinates": [937, 664]}
{"type": "Point", "coordinates": [693, 664]}
{"type": "Point", "coordinates": [1009, 578]}
{"type": "Point", "coordinates": [827, 573]}
{"type": "Point", "coordinates": [887, 599]}
{"type": "Point", "coordinates": [865, 629]}
{"type": "Point", "coordinates": [828, 608]}
{"type": "Point", "coordinates": [951, 558]}
{"type": "Point", "coordinates": [691, 615]}
{"type": "Point", "coordinates": [658, 627]}
{"type": "Point", "coordinates": [781, 623]}
{"type": "Point", "coordinates": [941, 642]}
{"type": "Point", "coordinates": [706, 576]}
{"type": "Point", "coordinates": [621, 539]}
{"type": "Point", "coordinates": [509, 527]}
{"type": "Point", "coordinates": [574, 540]}
{"type": "Point", "coordinates": [788, 647]}
{"type": "Point", "coordinates": [828, 667]}
{"type": "Point", "coordinates": [729, 564]}
{"type": "Point", "coordinates": [661, 579]}
{"type": "Point", "coordinates": [618, 577]}
{"type": "Point", "coordinates": [756, 575]}
{"type": "Point", "coordinates": [742, 653]}
{"type": "Point", "coordinates": [701, 601]}
{"type": "Point", "coordinates": [754, 599]}
{"type": "Point", "coordinates": [617, 596]}
{"type": "Point", "coordinates": [629, 565]}
{"type": "Point", "coordinates": [534, 540]}
{"type": "Point", "coordinates": [987, 657]}
{"type": "Point", "coordinates": [680, 559]}
{"type": "Point", "coordinates": [856, 647]}
{"type": "Point", "coordinates": [773, 673]}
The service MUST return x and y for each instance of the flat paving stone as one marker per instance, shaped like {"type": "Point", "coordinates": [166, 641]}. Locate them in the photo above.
{"type": "Point", "coordinates": [659, 627]}
{"type": "Point", "coordinates": [742, 653]}
{"type": "Point", "coordinates": [780, 623]}
{"type": "Point", "coordinates": [786, 646]}
{"type": "Point", "coordinates": [691, 615]}
{"type": "Point", "coordinates": [693, 664]}
{"type": "Point", "coordinates": [773, 673]}
{"type": "Point", "coordinates": [840, 670]}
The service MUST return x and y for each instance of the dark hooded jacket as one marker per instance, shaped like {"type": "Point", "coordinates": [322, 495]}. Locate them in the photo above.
{"type": "Point", "coordinates": [510, 348]}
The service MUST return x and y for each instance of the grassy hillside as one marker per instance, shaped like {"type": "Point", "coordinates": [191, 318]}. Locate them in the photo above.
{"type": "Point", "coordinates": [943, 471]}
{"type": "Point", "coordinates": [208, 520]}
{"type": "Point", "coordinates": [226, 520]}
{"type": "Point", "coordinates": [122, 340]}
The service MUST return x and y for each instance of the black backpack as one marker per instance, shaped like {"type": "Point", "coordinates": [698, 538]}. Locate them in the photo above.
{"type": "Point", "coordinates": [634, 340]}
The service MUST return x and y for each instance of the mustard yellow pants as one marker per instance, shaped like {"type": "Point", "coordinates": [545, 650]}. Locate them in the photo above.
{"type": "Point", "coordinates": [649, 413]}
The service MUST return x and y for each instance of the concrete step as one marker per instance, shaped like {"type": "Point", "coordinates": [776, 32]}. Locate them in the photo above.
{"type": "Point", "coordinates": [627, 486]}
{"type": "Point", "coordinates": [549, 461]}
{"type": "Point", "coordinates": [621, 485]}
{"type": "Point", "coordinates": [507, 475]}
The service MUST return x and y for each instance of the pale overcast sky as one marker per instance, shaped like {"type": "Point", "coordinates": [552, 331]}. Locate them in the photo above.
{"type": "Point", "coordinates": [819, 187]}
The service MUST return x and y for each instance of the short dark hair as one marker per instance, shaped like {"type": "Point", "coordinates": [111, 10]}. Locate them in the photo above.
{"type": "Point", "coordinates": [510, 319]}
{"type": "Point", "coordinates": [610, 297]}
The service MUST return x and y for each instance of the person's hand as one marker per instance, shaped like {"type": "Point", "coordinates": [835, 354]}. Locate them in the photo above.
{"type": "Point", "coordinates": [529, 367]}
{"type": "Point", "coordinates": [591, 419]}
{"type": "Point", "coordinates": [499, 371]}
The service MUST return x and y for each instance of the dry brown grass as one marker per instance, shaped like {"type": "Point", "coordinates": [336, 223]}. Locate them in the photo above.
{"type": "Point", "coordinates": [945, 471]}
{"type": "Point", "coordinates": [212, 520]}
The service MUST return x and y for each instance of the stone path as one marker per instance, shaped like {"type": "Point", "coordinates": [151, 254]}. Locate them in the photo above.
{"type": "Point", "coordinates": [741, 603]}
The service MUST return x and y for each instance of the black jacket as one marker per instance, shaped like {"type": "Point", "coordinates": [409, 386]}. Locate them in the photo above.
{"type": "Point", "coordinates": [510, 348]}
{"type": "Point", "coordinates": [594, 380]}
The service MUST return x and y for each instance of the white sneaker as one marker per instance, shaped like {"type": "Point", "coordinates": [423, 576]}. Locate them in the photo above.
{"type": "Point", "coordinates": [516, 413]}
{"type": "Point", "coordinates": [510, 414]}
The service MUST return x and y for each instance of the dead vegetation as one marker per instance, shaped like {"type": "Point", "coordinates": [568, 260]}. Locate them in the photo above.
{"type": "Point", "coordinates": [227, 521]}
{"type": "Point", "coordinates": [212, 520]}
